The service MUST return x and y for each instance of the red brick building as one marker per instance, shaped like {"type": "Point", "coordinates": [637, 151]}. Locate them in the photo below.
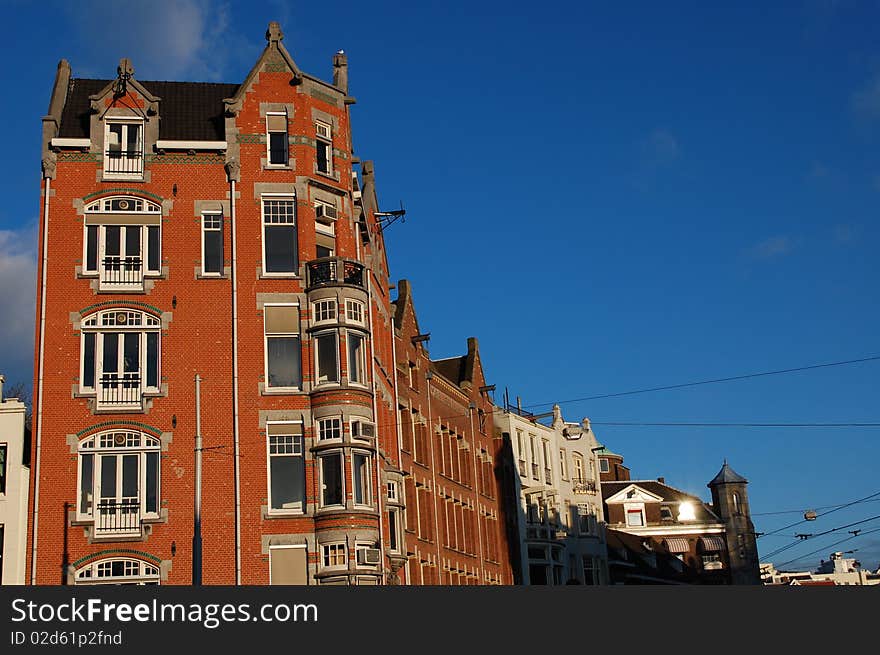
{"type": "Point", "coordinates": [454, 529]}
{"type": "Point", "coordinates": [225, 231]}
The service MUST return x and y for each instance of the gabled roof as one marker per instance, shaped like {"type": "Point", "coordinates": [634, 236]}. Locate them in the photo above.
{"type": "Point", "coordinates": [192, 111]}
{"type": "Point", "coordinates": [726, 475]}
{"type": "Point", "coordinates": [670, 495]}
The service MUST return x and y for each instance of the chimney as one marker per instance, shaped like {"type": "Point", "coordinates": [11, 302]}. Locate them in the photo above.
{"type": "Point", "coordinates": [340, 71]}
{"type": "Point", "coordinates": [661, 480]}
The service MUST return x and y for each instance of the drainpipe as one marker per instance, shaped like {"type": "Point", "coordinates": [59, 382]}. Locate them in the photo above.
{"type": "Point", "coordinates": [399, 430]}
{"type": "Point", "coordinates": [235, 428]}
{"type": "Point", "coordinates": [380, 497]}
{"type": "Point", "coordinates": [197, 500]}
{"type": "Point", "coordinates": [428, 375]}
{"type": "Point", "coordinates": [36, 450]}
{"type": "Point", "coordinates": [476, 479]}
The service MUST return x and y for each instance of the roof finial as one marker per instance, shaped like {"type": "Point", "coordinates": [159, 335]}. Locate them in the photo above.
{"type": "Point", "coordinates": [274, 33]}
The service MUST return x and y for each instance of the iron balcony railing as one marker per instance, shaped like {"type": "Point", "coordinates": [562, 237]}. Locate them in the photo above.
{"type": "Point", "coordinates": [118, 272]}
{"type": "Point", "coordinates": [118, 517]}
{"type": "Point", "coordinates": [124, 163]}
{"type": "Point", "coordinates": [583, 486]}
{"type": "Point", "coordinates": [335, 270]}
{"type": "Point", "coordinates": [122, 390]}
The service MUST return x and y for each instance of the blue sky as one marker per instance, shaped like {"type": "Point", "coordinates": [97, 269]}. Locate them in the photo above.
{"type": "Point", "coordinates": [609, 197]}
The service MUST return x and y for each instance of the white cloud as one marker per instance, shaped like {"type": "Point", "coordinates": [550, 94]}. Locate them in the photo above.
{"type": "Point", "coordinates": [773, 247]}
{"type": "Point", "coordinates": [18, 271]}
{"type": "Point", "coordinates": [165, 39]}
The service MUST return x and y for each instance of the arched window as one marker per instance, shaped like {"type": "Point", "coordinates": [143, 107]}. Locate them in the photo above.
{"type": "Point", "coordinates": [120, 357]}
{"type": "Point", "coordinates": [117, 570]}
{"type": "Point", "coordinates": [737, 509]}
{"type": "Point", "coordinates": [118, 481]}
{"type": "Point", "coordinates": [122, 242]}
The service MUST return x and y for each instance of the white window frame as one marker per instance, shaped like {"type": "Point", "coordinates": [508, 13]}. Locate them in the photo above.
{"type": "Point", "coordinates": [324, 139]}
{"type": "Point", "coordinates": [212, 221]}
{"type": "Point", "coordinates": [320, 313]}
{"type": "Point", "coordinates": [333, 550]}
{"type": "Point", "coordinates": [267, 336]}
{"type": "Point", "coordinates": [364, 380]}
{"type": "Point", "coordinates": [315, 339]}
{"type": "Point", "coordinates": [604, 466]}
{"type": "Point", "coordinates": [367, 480]}
{"type": "Point", "coordinates": [269, 162]}
{"type": "Point", "coordinates": [392, 490]}
{"type": "Point", "coordinates": [298, 443]}
{"type": "Point", "coordinates": [91, 573]}
{"type": "Point", "coordinates": [394, 519]}
{"type": "Point", "coordinates": [118, 443]}
{"type": "Point", "coordinates": [578, 466]}
{"type": "Point", "coordinates": [328, 425]}
{"type": "Point", "coordinates": [563, 464]}
{"type": "Point", "coordinates": [127, 122]}
{"type": "Point", "coordinates": [338, 454]}
{"type": "Point", "coordinates": [280, 197]}
{"type": "Point", "coordinates": [632, 510]}
{"type": "Point", "coordinates": [355, 312]}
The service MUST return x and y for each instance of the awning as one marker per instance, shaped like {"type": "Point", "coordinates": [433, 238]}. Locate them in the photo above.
{"type": "Point", "coordinates": [712, 544]}
{"type": "Point", "coordinates": [676, 545]}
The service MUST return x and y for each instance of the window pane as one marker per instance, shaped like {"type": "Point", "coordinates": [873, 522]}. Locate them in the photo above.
{"type": "Point", "coordinates": [280, 249]}
{"type": "Point", "coordinates": [92, 248]}
{"type": "Point", "coordinates": [327, 353]}
{"type": "Point", "coordinates": [111, 349]}
{"type": "Point", "coordinates": [323, 157]}
{"type": "Point", "coordinates": [152, 495]}
{"type": "Point", "coordinates": [111, 240]}
{"type": "Point", "coordinates": [392, 530]}
{"type": "Point", "coordinates": [86, 483]}
{"type": "Point", "coordinates": [115, 137]}
{"type": "Point", "coordinates": [132, 240]}
{"type": "Point", "coordinates": [278, 147]}
{"type": "Point", "coordinates": [89, 360]}
{"type": "Point", "coordinates": [355, 357]}
{"type": "Point", "coordinates": [130, 476]}
{"type": "Point", "coordinates": [132, 360]}
{"type": "Point", "coordinates": [331, 479]}
{"type": "Point", "coordinates": [321, 251]}
{"type": "Point", "coordinates": [283, 358]}
{"type": "Point", "coordinates": [361, 478]}
{"type": "Point", "coordinates": [153, 359]}
{"type": "Point", "coordinates": [153, 248]}
{"type": "Point", "coordinates": [108, 477]}
{"type": "Point", "coordinates": [281, 319]}
{"type": "Point", "coordinates": [214, 251]}
{"type": "Point", "coordinates": [287, 482]}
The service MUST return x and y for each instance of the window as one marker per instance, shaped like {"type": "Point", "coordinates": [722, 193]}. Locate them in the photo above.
{"type": "Point", "coordinates": [563, 464]}
{"type": "Point", "coordinates": [324, 147]}
{"type": "Point", "coordinates": [635, 517]}
{"type": "Point", "coordinates": [357, 357]}
{"type": "Point", "coordinates": [118, 481]}
{"type": "Point", "coordinates": [279, 235]}
{"type": "Point", "coordinates": [367, 555]}
{"type": "Point", "coordinates": [737, 510]}
{"type": "Point", "coordinates": [591, 570]}
{"type": "Point", "coordinates": [3, 453]}
{"type": "Point", "coordinates": [394, 529]}
{"type": "Point", "coordinates": [332, 486]}
{"type": "Point", "coordinates": [603, 465]}
{"type": "Point", "coordinates": [324, 310]}
{"type": "Point", "coordinates": [118, 571]}
{"type": "Point", "coordinates": [276, 138]}
{"type": "Point", "coordinates": [587, 523]}
{"type": "Point", "coordinates": [393, 495]}
{"type": "Point", "coordinates": [288, 565]}
{"type": "Point", "coordinates": [287, 485]}
{"type": "Point", "coordinates": [326, 357]}
{"type": "Point", "coordinates": [712, 562]}
{"type": "Point", "coordinates": [334, 556]}
{"type": "Point", "coordinates": [212, 244]}
{"type": "Point", "coordinates": [329, 429]}
{"type": "Point", "coordinates": [361, 478]}
{"type": "Point", "coordinates": [521, 449]}
{"type": "Point", "coordinates": [535, 463]}
{"type": "Point", "coordinates": [354, 312]}
{"type": "Point", "coordinates": [548, 472]}
{"type": "Point", "coordinates": [665, 513]}
{"type": "Point", "coordinates": [283, 354]}
{"type": "Point", "coordinates": [578, 462]}
{"type": "Point", "coordinates": [124, 149]}
{"type": "Point", "coordinates": [122, 242]}
{"type": "Point", "coordinates": [120, 358]}
{"type": "Point", "coordinates": [325, 229]}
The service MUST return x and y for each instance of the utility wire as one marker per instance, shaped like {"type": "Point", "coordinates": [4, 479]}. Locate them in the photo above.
{"type": "Point", "coordinates": [818, 534]}
{"type": "Point", "coordinates": [713, 381]}
{"type": "Point", "coordinates": [801, 511]}
{"type": "Point", "coordinates": [831, 511]}
{"type": "Point", "coordinates": [819, 550]}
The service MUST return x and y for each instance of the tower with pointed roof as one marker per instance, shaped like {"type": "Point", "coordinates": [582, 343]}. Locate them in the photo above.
{"type": "Point", "coordinates": [730, 502]}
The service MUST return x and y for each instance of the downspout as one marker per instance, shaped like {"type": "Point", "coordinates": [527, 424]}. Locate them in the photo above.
{"type": "Point", "coordinates": [379, 488]}
{"type": "Point", "coordinates": [476, 479]}
{"type": "Point", "coordinates": [36, 450]}
{"type": "Point", "coordinates": [428, 375]}
{"type": "Point", "coordinates": [235, 427]}
{"type": "Point", "coordinates": [397, 423]}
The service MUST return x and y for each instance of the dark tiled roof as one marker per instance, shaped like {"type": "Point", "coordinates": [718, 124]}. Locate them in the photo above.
{"type": "Point", "coordinates": [452, 369]}
{"type": "Point", "coordinates": [191, 111]}
{"type": "Point", "coordinates": [726, 475]}
{"type": "Point", "coordinates": [669, 494]}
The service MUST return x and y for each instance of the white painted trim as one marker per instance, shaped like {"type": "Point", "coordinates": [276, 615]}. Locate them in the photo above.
{"type": "Point", "coordinates": [168, 144]}
{"type": "Point", "coordinates": [68, 142]}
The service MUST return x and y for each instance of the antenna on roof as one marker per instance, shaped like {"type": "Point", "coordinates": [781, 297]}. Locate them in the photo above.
{"type": "Point", "coordinates": [388, 218]}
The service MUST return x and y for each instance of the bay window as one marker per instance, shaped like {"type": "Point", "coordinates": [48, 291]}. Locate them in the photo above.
{"type": "Point", "coordinates": [332, 484]}
{"type": "Point", "coordinates": [357, 357]}
{"type": "Point", "coordinates": [326, 357]}
{"type": "Point", "coordinates": [361, 478]}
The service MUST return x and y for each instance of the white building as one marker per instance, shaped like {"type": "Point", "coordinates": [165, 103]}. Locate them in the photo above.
{"type": "Point", "coordinates": [837, 569]}
{"type": "Point", "coordinates": [559, 518]}
{"type": "Point", "coordinates": [14, 479]}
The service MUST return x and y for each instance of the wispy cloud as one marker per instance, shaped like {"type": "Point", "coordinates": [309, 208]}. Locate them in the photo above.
{"type": "Point", "coordinates": [661, 148]}
{"type": "Point", "coordinates": [165, 39]}
{"type": "Point", "coordinates": [18, 270]}
{"type": "Point", "coordinates": [773, 247]}
{"type": "Point", "coordinates": [866, 101]}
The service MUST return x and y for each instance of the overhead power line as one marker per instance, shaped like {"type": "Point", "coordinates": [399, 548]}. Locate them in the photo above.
{"type": "Point", "coordinates": [836, 543]}
{"type": "Point", "coordinates": [830, 511]}
{"type": "Point", "coordinates": [713, 381]}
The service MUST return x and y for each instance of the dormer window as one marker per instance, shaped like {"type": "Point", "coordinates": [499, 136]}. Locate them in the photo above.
{"type": "Point", "coordinates": [124, 149]}
{"type": "Point", "coordinates": [277, 141]}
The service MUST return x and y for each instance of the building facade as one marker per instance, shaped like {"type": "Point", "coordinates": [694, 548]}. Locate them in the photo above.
{"type": "Point", "coordinates": [14, 483]}
{"type": "Point", "coordinates": [555, 499]}
{"type": "Point", "coordinates": [453, 529]}
{"type": "Point", "coordinates": [225, 232]}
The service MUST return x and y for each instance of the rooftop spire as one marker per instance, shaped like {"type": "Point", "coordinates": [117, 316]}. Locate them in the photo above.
{"type": "Point", "coordinates": [274, 33]}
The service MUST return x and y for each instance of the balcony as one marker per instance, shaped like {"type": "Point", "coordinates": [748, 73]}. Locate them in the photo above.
{"type": "Point", "coordinates": [118, 518]}
{"type": "Point", "coordinates": [124, 164]}
{"type": "Point", "coordinates": [120, 392]}
{"type": "Point", "coordinates": [332, 271]}
{"type": "Point", "coordinates": [122, 273]}
{"type": "Point", "coordinates": [583, 486]}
